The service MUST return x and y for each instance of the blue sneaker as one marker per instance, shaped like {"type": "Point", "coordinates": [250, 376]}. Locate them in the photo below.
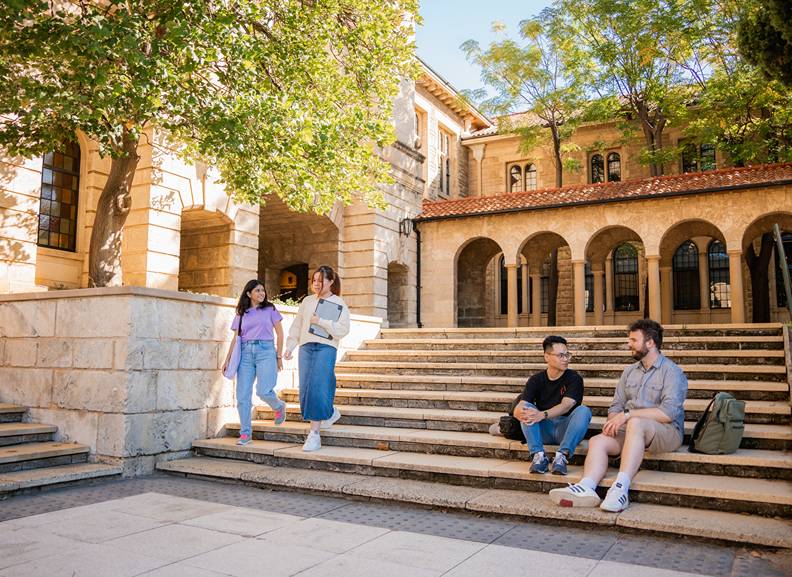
{"type": "Point", "coordinates": [539, 463]}
{"type": "Point", "coordinates": [559, 466]}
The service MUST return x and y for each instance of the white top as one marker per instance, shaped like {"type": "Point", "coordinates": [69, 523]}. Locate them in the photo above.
{"type": "Point", "coordinates": [298, 333]}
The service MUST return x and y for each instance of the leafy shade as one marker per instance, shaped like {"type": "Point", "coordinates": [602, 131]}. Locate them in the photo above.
{"type": "Point", "coordinates": [765, 38]}
{"type": "Point", "coordinates": [285, 97]}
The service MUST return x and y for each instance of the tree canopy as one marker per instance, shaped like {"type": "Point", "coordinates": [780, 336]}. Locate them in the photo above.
{"type": "Point", "coordinates": [284, 97]}
{"type": "Point", "coordinates": [765, 37]}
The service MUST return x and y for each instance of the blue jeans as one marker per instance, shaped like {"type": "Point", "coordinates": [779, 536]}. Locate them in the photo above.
{"type": "Point", "coordinates": [258, 362]}
{"type": "Point", "coordinates": [317, 381]}
{"type": "Point", "coordinates": [567, 431]}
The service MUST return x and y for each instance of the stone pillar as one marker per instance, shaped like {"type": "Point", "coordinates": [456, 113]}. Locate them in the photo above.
{"type": "Point", "coordinates": [609, 302]}
{"type": "Point", "coordinates": [511, 292]}
{"type": "Point", "coordinates": [579, 284]}
{"type": "Point", "coordinates": [478, 154]}
{"type": "Point", "coordinates": [536, 298]}
{"type": "Point", "coordinates": [736, 283]}
{"type": "Point", "coordinates": [642, 262]}
{"type": "Point", "coordinates": [703, 280]}
{"type": "Point", "coordinates": [666, 294]}
{"type": "Point", "coordinates": [653, 278]}
{"type": "Point", "coordinates": [599, 301]}
{"type": "Point", "coordinates": [524, 289]}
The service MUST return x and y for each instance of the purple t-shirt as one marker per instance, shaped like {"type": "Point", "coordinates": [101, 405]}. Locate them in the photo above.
{"type": "Point", "coordinates": [258, 324]}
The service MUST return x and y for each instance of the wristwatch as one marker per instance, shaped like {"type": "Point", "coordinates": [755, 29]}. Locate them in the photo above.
{"type": "Point", "coordinates": [545, 415]}
{"type": "Point", "coordinates": [626, 414]}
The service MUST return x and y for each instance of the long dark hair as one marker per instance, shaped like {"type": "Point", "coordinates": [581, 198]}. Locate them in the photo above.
{"type": "Point", "coordinates": [244, 300]}
{"type": "Point", "coordinates": [328, 273]}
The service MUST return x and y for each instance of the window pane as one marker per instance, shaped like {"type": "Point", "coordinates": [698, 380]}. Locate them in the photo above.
{"type": "Point", "coordinates": [55, 209]}
{"type": "Point", "coordinates": [687, 295]}
{"type": "Point", "coordinates": [530, 177]}
{"type": "Point", "coordinates": [44, 222]}
{"type": "Point", "coordinates": [719, 287]}
{"type": "Point", "coordinates": [780, 292]}
{"type": "Point", "coordinates": [59, 186]}
{"type": "Point", "coordinates": [707, 157]}
{"type": "Point", "coordinates": [46, 176]}
{"type": "Point", "coordinates": [689, 157]}
{"type": "Point", "coordinates": [597, 168]}
{"type": "Point", "coordinates": [45, 207]}
{"type": "Point", "coordinates": [515, 179]}
{"type": "Point", "coordinates": [625, 278]}
{"type": "Point", "coordinates": [43, 236]}
{"type": "Point", "coordinates": [614, 167]}
{"type": "Point", "coordinates": [589, 290]}
{"type": "Point", "coordinates": [504, 287]}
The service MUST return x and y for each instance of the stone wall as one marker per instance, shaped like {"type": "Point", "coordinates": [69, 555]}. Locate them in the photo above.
{"type": "Point", "coordinates": [131, 372]}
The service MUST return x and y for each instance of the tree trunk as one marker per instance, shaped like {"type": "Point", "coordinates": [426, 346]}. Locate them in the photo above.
{"type": "Point", "coordinates": [760, 279]}
{"type": "Point", "coordinates": [552, 289]}
{"type": "Point", "coordinates": [653, 134]}
{"type": "Point", "coordinates": [557, 153]}
{"type": "Point", "coordinates": [104, 258]}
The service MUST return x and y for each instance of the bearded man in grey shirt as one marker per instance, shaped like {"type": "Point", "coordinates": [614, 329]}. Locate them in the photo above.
{"type": "Point", "coordinates": [647, 414]}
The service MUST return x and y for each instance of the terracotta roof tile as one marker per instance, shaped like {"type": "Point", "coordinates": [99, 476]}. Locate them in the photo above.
{"type": "Point", "coordinates": [691, 183]}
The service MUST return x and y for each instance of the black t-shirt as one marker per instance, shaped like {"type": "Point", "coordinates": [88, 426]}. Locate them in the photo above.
{"type": "Point", "coordinates": [546, 394]}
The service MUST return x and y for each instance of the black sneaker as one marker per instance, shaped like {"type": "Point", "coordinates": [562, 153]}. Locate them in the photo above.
{"type": "Point", "coordinates": [539, 463]}
{"type": "Point", "coordinates": [559, 466]}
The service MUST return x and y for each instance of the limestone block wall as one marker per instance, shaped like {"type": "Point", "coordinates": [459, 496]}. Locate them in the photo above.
{"type": "Point", "coordinates": [131, 372]}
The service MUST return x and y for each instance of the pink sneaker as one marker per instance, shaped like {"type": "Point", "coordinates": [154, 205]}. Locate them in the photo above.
{"type": "Point", "coordinates": [244, 440]}
{"type": "Point", "coordinates": [280, 414]}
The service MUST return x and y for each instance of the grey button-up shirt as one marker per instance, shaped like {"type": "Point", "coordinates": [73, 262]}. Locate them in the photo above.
{"type": "Point", "coordinates": [662, 386]}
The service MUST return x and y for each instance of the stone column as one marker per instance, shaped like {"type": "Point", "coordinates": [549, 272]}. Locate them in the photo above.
{"type": "Point", "coordinates": [666, 294]}
{"type": "Point", "coordinates": [478, 154]}
{"type": "Point", "coordinates": [524, 289]}
{"type": "Point", "coordinates": [599, 301]}
{"type": "Point", "coordinates": [703, 281]}
{"type": "Point", "coordinates": [511, 292]}
{"type": "Point", "coordinates": [536, 298]}
{"type": "Point", "coordinates": [609, 301]}
{"type": "Point", "coordinates": [579, 284]}
{"type": "Point", "coordinates": [653, 278]}
{"type": "Point", "coordinates": [736, 283]}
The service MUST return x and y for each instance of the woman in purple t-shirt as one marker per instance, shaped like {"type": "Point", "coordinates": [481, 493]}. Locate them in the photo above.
{"type": "Point", "coordinates": [256, 323]}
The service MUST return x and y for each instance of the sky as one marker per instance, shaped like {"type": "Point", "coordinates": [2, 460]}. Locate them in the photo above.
{"type": "Point", "coordinates": [448, 23]}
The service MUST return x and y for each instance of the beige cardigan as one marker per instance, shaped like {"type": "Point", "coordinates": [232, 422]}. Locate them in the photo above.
{"type": "Point", "coordinates": [298, 333]}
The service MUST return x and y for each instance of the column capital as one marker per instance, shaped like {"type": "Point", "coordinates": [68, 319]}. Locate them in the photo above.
{"type": "Point", "coordinates": [653, 257]}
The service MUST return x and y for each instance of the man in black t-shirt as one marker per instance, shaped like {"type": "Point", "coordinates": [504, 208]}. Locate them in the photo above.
{"type": "Point", "coordinates": [551, 410]}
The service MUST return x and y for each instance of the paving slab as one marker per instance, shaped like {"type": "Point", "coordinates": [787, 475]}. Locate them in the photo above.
{"type": "Point", "coordinates": [351, 566]}
{"type": "Point", "coordinates": [709, 524]}
{"type": "Point", "coordinates": [27, 545]}
{"type": "Point", "coordinates": [243, 521]}
{"type": "Point", "coordinates": [325, 534]}
{"type": "Point", "coordinates": [99, 525]}
{"type": "Point", "coordinates": [499, 560]}
{"type": "Point", "coordinates": [167, 508]}
{"type": "Point", "coordinates": [174, 542]}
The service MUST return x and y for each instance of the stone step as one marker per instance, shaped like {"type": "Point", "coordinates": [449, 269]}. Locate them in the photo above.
{"type": "Point", "coordinates": [36, 455]}
{"type": "Point", "coordinates": [743, 463]}
{"type": "Point", "coordinates": [755, 411]}
{"type": "Point", "coordinates": [746, 343]}
{"type": "Point", "coordinates": [756, 496]}
{"type": "Point", "coordinates": [717, 525]}
{"type": "Point", "coordinates": [478, 355]}
{"type": "Point", "coordinates": [16, 432]}
{"type": "Point", "coordinates": [31, 479]}
{"type": "Point", "coordinates": [711, 330]}
{"type": "Point", "coordinates": [756, 436]}
{"type": "Point", "coordinates": [701, 388]}
{"type": "Point", "coordinates": [11, 413]}
{"type": "Point", "coordinates": [599, 370]}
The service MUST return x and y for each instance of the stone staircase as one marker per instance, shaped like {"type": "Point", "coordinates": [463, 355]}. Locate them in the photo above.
{"type": "Point", "coordinates": [30, 459]}
{"type": "Point", "coordinates": [416, 406]}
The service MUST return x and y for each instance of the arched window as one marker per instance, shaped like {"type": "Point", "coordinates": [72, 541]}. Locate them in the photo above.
{"type": "Point", "coordinates": [60, 182]}
{"type": "Point", "coordinates": [625, 278]}
{"type": "Point", "coordinates": [597, 168]}
{"type": "Point", "coordinates": [718, 269]}
{"type": "Point", "coordinates": [515, 179]}
{"type": "Point", "coordinates": [530, 177]}
{"type": "Point", "coordinates": [614, 167]}
{"type": "Point", "coordinates": [687, 295]}
{"type": "Point", "coordinates": [708, 157]}
{"type": "Point", "coordinates": [781, 299]}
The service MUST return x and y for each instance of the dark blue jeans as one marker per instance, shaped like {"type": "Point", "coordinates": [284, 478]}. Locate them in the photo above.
{"type": "Point", "coordinates": [566, 431]}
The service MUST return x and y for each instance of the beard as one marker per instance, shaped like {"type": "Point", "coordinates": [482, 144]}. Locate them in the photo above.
{"type": "Point", "coordinates": [638, 354]}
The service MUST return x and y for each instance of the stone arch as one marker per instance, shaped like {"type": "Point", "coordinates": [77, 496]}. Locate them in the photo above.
{"type": "Point", "coordinates": [684, 230]}
{"type": "Point", "coordinates": [551, 284]}
{"type": "Point", "coordinates": [473, 308]}
{"type": "Point", "coordinates": [602, 243]}
{"type": "Point", "coordinates": [758, 250]}
{"type": "Point", "coordinates": [398, 296]}
{"type": "Point", "coordinates": [205, 253]}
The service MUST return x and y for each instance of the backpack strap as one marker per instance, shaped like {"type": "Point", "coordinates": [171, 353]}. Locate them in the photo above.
{"type": "Point", "coordinates": [700, 425]}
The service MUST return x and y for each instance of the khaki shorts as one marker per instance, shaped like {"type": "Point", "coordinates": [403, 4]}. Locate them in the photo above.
{"type": "Point", "coordinates": [666, 438]}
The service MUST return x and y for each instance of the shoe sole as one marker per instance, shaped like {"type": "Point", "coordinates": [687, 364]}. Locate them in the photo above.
{"type": "Point", "coordinates": [558, 472]}
{"type": "Point", "coordinates": [311, 450]}
{"type": "Point", "coordinates": [564, 498]}
{"type": "Point", "coordinates": [243, 443]}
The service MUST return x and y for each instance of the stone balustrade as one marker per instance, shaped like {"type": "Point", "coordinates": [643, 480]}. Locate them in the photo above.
{"type": "Point", "coordinates": [131, 372]}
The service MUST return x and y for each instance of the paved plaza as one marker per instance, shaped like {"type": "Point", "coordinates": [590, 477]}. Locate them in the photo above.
{"type": "Point", "coordinates": [162, 526]}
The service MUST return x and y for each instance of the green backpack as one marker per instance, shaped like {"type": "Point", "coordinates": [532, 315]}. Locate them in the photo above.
{"type": "Point", "coordinates": [720, 428]}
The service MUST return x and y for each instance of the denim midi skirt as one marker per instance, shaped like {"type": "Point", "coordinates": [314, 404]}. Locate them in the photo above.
{"type": "Point", "coordinates": [317, 381]}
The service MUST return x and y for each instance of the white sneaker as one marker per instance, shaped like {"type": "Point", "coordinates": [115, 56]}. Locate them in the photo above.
{"type": "Point", "coordinates": [616, 500]}
{"type": "Point", "coordinates": [327, 423]}
{"type": "Point", "coordinates": [313, 442]}
{"type": "Point", "coordinates": [575, 496]}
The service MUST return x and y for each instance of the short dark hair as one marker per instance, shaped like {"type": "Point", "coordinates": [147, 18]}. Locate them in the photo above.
{"type": "Point", "coordinates": [548, 343]}
{"type": "Point", "coordinates": [650, 329]}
